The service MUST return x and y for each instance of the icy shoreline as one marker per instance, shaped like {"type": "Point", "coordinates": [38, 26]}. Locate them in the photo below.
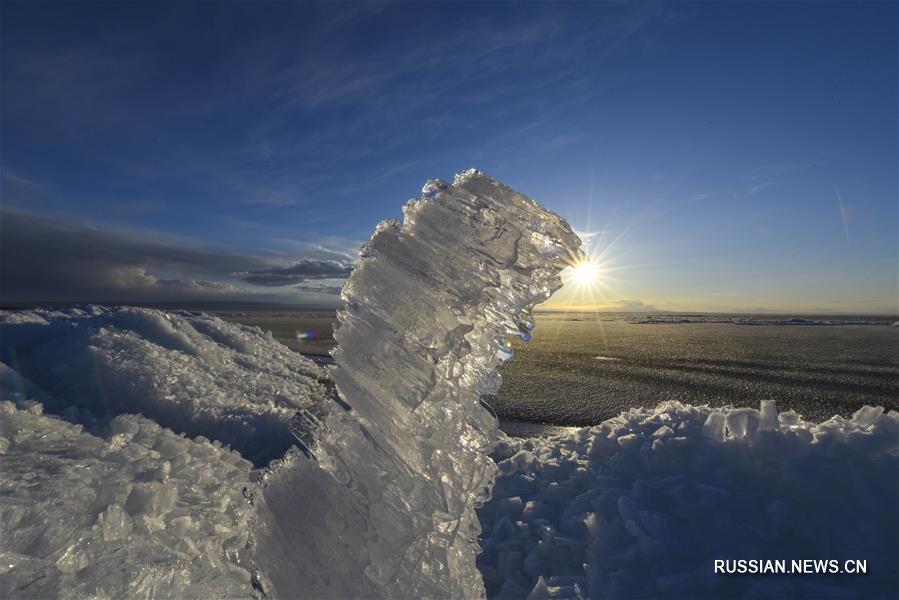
{"type": "Point", "coordinates": [638, 506]}
{"type": "Point", "coordinates": [654, 491]}
{"type": "Point", "coordinates": [791, 321]}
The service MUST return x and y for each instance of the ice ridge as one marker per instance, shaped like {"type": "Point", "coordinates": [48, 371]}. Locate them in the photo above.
{"type": "Point", "coordinates": [426, 319]}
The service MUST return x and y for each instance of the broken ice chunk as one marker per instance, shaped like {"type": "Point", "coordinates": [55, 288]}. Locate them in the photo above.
{"type": "Point", "coordinates": [867, 416]}
{"type": "Point", "coordinates": [663, 432]}
{"type": "Point", "coordinates": [742, 422]}
{"type": "Point", "coordinates": [114, 524]}
{"type": "Point", "coordinates": [789, 418]}
{"type": "Point", "coordinates": [714, 426]}
{"type": "Point", "coordinates": [768, 412]}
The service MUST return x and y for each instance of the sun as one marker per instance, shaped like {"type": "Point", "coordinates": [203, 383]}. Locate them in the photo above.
{"type": "Point", "coordinates": [585, 272]}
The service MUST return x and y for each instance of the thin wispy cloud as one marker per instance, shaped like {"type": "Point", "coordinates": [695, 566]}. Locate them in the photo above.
{"type": "Point", "coordinates": [11, 178]}
{"type": "Point", "coordinates": [755, 189]}
{"type": "Point", "coordinates": [395, 170]}
{"type": "Point", "coordinates": [277, 200]}
{"type": "Point", "coordinates": [844, 214]}
{"type": "Point", "coordinates": [777, 170]}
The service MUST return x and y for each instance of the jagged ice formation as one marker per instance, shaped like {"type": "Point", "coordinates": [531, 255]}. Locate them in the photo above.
{"type": "Point", "coordinates": [427, 316]}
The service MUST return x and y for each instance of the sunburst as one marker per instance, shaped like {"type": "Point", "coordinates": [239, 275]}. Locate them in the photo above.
{"type": "Point", "coordinates": [586, 272]}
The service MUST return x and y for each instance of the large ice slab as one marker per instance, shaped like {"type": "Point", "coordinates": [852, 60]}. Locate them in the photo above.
{"type": "Point", "coordinates": [426, 320]}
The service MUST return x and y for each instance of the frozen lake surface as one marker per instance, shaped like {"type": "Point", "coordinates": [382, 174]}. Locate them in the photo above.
{"type": "Point", "coordinates": [582, 368]}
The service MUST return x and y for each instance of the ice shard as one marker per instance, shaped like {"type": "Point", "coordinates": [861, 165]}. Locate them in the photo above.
{"type": "Point", "coordinates": [426, 319]}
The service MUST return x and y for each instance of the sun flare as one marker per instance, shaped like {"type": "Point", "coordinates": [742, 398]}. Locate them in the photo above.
{"type": "Point", "coordinates": [585, 272]}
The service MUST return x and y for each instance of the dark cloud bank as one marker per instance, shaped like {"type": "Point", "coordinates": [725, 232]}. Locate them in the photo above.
{"type": "Point", "coordinates": [302, 271]}
{"type": "Point", "coordinates": [46, 259]}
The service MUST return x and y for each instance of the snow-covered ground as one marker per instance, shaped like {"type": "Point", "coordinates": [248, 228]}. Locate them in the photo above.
{"type": "Point", "coordinates": [97, 497]}
{"type": "Point", "coordinates": [194, 374]}
{"type": "Point", "coordinates": [134, 511]}
{"type": "Point", "coordinates": [641, 505]}
{"type": "Point", "coordinates": [128, 440]}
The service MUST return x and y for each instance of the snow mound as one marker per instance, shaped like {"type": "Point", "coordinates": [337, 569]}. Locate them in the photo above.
{"type": "Point", "coordinates": [195, 374]}
{"type": "Point", "coordinates": [641, 505]}
{"type": "Point", "coordinates": [138, 512]}
{"type": "Point", "coordinates": [427, 315]}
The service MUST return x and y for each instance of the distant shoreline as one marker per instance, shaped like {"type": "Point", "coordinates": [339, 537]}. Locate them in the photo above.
{"type": "Point", "coordinates": [270, 307]}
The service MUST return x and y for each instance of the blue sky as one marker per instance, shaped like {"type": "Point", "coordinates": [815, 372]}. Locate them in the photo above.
{"type": "Point", "coordinates": [718, 156]}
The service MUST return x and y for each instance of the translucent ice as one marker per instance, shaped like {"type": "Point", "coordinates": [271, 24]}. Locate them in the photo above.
{"type": "Point", "coordinates": [136, 512]}
{"type": "Point", "coordinates": [426, 316]}
{"type": "Point", "coordinates": [98, 505]}
{"type": "Point", "coordinates": [867, 416]}
{"type": "Point", "coordinates": [768, 412]}
{"type": "Point", "coordinates": [742, 422]}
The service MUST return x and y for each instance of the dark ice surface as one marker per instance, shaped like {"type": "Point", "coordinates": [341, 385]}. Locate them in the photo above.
{"type": "Point", "coordinates": [583, 368]}
{"type": "Point", "coordinates": [308, 332]}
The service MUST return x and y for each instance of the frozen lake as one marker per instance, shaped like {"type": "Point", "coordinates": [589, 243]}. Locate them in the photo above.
{"type": "Point", "coordinates": [582, 368]}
